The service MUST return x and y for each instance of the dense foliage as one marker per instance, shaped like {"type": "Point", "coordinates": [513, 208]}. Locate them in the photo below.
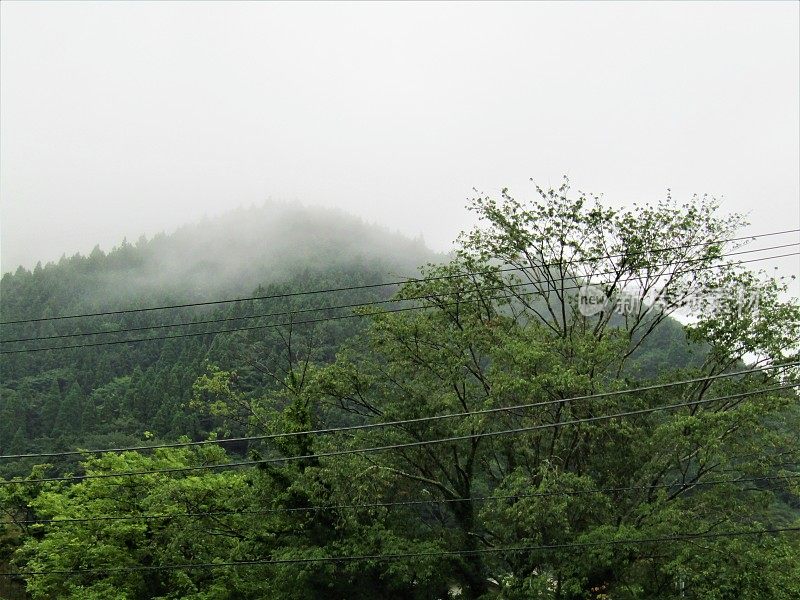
{"type": "Point", "coordinates": [112, 394]}
{"type": "Point", "coordinates": [546, 501]}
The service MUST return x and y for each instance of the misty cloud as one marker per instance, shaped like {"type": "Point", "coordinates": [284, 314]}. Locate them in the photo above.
{"type": "Point", "coordinates": [122, 119]}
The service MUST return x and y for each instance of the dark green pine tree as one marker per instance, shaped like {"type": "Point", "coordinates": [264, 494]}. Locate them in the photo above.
{"type": "Point", "coordinates": [11, 417]}
{"type": "Point", "coordinates": [70, 414]}
{"type": "Point", "coordinates": [19, 443]}
{"type": "Point", "coordinates": [140, 398]}
{"type": "Point", "coordinates": [51, 403]}
{"type": "Point", "coordinates": [89, 415]}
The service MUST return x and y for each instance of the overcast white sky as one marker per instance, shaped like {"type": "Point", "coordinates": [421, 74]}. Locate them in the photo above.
{"type": "Point", "coordinates": [126, 118]}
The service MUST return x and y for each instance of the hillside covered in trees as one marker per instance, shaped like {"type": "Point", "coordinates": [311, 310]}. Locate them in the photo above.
{"type": "Point", "coordinates": [112, 394]}
{"type": "Point", "coordinates": [471, 433]}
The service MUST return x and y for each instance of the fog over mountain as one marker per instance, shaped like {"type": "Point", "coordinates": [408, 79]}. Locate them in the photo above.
{"type": "Point", "coordinates": [234, 253]}
{"type": "Point", "coordinates": [126, 118]}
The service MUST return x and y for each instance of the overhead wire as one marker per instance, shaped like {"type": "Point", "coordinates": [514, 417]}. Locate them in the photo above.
{"type": "Point", "coordinates": [316, 320]}
{"type": "Point", "coordinates": [369, 286]}
{"type": "Point", "coordinates": [368, 303]}
{"type": "Point", "coordinates": [401, 422]}
{"type": "Point", "coordinates": [688, 485]}
{"type": "Point", "coordinates": [685, 537]}
{"type": "Point", "coordinates": [384, 448]}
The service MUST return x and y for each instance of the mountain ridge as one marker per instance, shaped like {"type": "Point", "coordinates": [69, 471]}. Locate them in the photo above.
{"type": "Point", "coordinates": [201, 260]}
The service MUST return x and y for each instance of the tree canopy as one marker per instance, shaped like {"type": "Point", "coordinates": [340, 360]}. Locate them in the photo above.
{"type": "Point", "coordinates": [499, 440]}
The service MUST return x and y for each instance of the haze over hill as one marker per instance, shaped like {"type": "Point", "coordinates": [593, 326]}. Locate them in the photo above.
{"type": "Point", "coordinates": [92, 394]}
{"type": "Point", "coordinates": [229, 255]}
{"type": "Point", "coordinates": [116, 391]}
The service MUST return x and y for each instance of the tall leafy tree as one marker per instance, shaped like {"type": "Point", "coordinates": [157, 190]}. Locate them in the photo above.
{"type": "Point", "coordinates": [507, 339]}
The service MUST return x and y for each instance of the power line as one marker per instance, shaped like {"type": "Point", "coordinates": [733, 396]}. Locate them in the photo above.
{"type": "Point", "coordinates": [369, 450]}
{"type": "Point", "coordinates": [402, 421]}
{"type": "Point", "coordinates": [586, 492]}
{"type": "Point", "coordinates": [230, 330]}
{"type": "Point", "coordinates": [685, 537]}
{"type": "Point", "coordinates": [374, 285]}
{"type": "Point", "coordinates": [361, 304]}
{"type": "Point", "coordinates": [316, 320]}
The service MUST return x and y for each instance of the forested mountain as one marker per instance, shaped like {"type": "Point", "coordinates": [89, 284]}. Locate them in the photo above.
{"type": "Point", "coordinates": [227, 255]}
{"type": "Point", "coordinates": [490, 439]}
{"type": "Point", "coordinates": [111, 394]}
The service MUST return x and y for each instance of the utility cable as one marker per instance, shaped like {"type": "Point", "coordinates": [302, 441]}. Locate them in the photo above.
{"type": "Point", "coordinates": [374, 285]}
{"type": "Point", "coordinates": [400, 422]}
{"type": "Point", "coordinates": [399, 446]}
{"type": "Point", "coordinates": [685, 537]}
{"type": "Point", "coordinates": [403, 503]}
{"type": "Point", "coordinates": [310, 321]}
{"type": "Point", "coordinates": [363, 304]}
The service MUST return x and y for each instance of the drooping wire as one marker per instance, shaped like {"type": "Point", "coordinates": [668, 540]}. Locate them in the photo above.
{"type": "Point", "coordinates": [373, 285]}
{"type": "Point", "coordinates": [688, 485]}
{"type": "Point", "coordinates": [368, 303]}
{"type": "Point", "coordinates": [685, 537]}
{"type": "Point", "coordinates": [374, 449]}
{"type": "Point", "coordinates": [401, 422]}
{"type": "Point", "coordinates": [320, 319]}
